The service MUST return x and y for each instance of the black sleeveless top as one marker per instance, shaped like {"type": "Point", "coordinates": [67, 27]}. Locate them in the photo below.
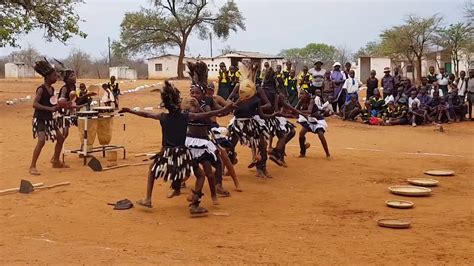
{"type": "Point", "coordinates": [68, 97]}
{"type": "Point", "coordinates": [46, 101]}
{"type": "Point", "coordinates": [271, 95]}
{"type": "Point", "coordinates": [174, 127]}
{"type": "Point", "coordinates": [248, 109]}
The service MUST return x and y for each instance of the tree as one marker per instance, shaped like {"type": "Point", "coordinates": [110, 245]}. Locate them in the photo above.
{"type": "Point", "coordinates": [170, 23]}
{"type": "Point", "coordinates": [469, 11]}
{"type": "Point", "coordinates": [310, 53]}
{"type": "Point", "coordinates": [58, 19]}
{"type": "Point", "coordinates": [370, 49]}
{"type": "Point", "coordinates": [78, 61]}
{"type": "Point", "coordinates": [412, 40]}
{"type": "Point", "coordinates": [343, 54]}
{"type": "Point", "coordinates": [396, 45]}
{"type": "Point", "coordinates": [456, 39]}
{"type": "Point", "coordinates": [28, 56]}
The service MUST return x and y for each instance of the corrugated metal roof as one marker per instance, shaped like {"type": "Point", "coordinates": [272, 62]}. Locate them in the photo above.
{"type": "Point", "coordinates": [246, 54]}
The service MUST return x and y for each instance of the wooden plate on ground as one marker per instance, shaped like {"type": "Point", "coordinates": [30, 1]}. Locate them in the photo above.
{"type": "Point", "coordinates": [439, 172]}
{"type": "Point", "coordinates": [399, 204]}
{"type": "Point", "coordinates": [410, 190]}
{"type": "Point", "coordinates": [394, 223]}
{"type": "Point", "coordinates": [424, 182]}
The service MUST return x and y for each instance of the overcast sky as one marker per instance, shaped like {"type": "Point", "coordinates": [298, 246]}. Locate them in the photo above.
{"type": "Point", "coordinates": [272, 25]}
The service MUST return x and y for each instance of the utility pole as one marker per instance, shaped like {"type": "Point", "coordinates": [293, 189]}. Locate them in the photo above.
{"type": "Point", "coordinates": [110, 59]}
{"type": "Point", "coordinates": [210, 40]}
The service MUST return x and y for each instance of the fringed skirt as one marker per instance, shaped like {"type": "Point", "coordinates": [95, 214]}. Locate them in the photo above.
{"type": "Point", "coordinates": [202, 149]}
{"type": "Point", "coordinates": [48, 126]}
{"type": "Point", "coordinates": [67, 121]}
{"type": "Point", "coordinates": [220, 137]}
{"type": "Point", "coordinates": [249, 130]}
{"type": "Point", "coordinates": [172, 163]}
{"type": "Point", "coordinates": [279, 125]}
{"type": "Point", "coordinates": [312, 124]}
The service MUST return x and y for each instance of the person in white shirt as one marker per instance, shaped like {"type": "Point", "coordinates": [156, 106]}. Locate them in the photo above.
{"type": "Point", "coordinates": [443, 81]}
{"type": "Point", "coordinates": [317, 74]}
{"type": "Point", "coordinates": [352, 85]}
{"type": "Point", "coordinates": [108, 97]}
{"type": "Point", "coordinates": [412, 99]}
{"type": "Point", "coordinates": [323, 105]}
{"type": "Point", "coordinates": [389, 98]}
{"type": "Point", "coordinates": [461, 84]}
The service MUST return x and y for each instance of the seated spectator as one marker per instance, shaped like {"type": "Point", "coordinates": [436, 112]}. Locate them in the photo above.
{"type": "Point", "coordinates": [374, 106]}
{"type": "Point", "coordinates": [351, 109]}
{"type": "Point", "coordinates": [388, 98]}
{"type": "Point", "coordinates": [324, 105]}
{"type": "Point", "coordinates": [424, 98]}
{"type": "Point", "coordinates": [399, 117]}
{"type": "Point", "coordinates": [457, 108]}
{"type": "Point", "coordinates": [389, 111]}
{"type": "Point", "coordinates": [433, 105]}
{"type": "Point", "coordinates": [400, 94]}
{"type": "Point", "coordinates": [416, 115]}
{"type": "Point", "coordinates": [442, 114]}
{"type": "Point", "coordinates": [412, 99]}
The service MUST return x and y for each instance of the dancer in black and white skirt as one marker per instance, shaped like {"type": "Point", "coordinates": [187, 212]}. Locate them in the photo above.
{"type": "Point", "coordinates": [44, 126]}
{"type": "Point", "coordinates": [67, 116]}
{"type": "Point", "coordinates": [175, 161]}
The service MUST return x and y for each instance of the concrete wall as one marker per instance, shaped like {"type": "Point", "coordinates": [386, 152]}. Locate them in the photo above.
{"type": "Point", "coordinates": [123, 72]}
{"type": "Point", "coordinates": [169, 67]}
{"type": "Point", "coordinates": [213, 66]}
{"type": "Point", "coordinates": [17, 70]}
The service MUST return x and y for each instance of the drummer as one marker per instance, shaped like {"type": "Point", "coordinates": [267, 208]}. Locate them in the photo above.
{"type": "Point", "coordinates": [108, 97]}
{"type": "Point", "coordinates": [114, 87]}
{"type": "Point", "coordinates": [83, 97]}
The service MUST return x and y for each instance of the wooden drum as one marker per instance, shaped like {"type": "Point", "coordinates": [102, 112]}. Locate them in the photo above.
{"type": "Point", "coordinates": [105, 124]}
{"type": "Point", "coordinates": [91, 127]}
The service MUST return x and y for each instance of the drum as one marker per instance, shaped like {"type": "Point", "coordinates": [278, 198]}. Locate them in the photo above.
{"type": "Point", "coordinates": [105, 124]}
{"type": "Point", "coordinates": [91, 127]}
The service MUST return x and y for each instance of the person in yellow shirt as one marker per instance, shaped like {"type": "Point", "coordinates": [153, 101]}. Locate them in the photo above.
{"type": "Point", "coordinates": [304, 79]}
{"type": "Point", "coordinates": [224, 82]}
{"type": "Point", "coordinates": [291, 85]}
{"type": "Point", "coordinates": [234, 76]}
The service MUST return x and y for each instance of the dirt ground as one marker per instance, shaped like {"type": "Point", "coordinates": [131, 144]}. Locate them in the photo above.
{"type": "Point", "coordinates": [313, 212]}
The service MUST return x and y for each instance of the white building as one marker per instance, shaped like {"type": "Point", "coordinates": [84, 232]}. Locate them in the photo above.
{"type": "Point", "coordinates": [123, 72]}
{"type": "Point", "coordinates": [367, 64]}
{"type": "Point", "coordinates": [19, 70]}
{"type": "Point", "coordinates": [166, 66]}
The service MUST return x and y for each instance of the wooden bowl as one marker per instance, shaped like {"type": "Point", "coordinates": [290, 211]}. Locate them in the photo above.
{"type": "Point", "coordinates": [413, 191]}
{"type": "Point", "coordinates": [399, 204]}
{"type": "Point", "coordinates": [394, 223]}
{"type": "Point", "coordinates": [439, 172]}
{"type": "Point", "coordinates": [424, 182]}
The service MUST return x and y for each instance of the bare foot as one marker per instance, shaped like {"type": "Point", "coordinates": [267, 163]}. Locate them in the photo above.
{"type": "Point", "coordinates": [144, 203]}
{"type": "Point", "coordinates": [58, 164]}
{"type": "Point", "coordinates": [302, 156]}
{"type": "Point", "coordinates": [189, 198]}
{"type": "Point", "coordinates": [34, 171]}
{"type": "Point", "coordinates": [221, 191]}
{"type": "Point", "coordinates": [260, 174]}
{"type": "Point", "coordinates": [328, 157]}
{"type": "Point", "coordinates": [173, 193]}
{"type": "Point", "coordinates": [267, 174]}
{"type": "Point", "coordinates": [214, 200]}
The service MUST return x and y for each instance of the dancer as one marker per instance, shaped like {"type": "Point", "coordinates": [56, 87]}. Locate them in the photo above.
{"type": "Point", "coordinates": [175, 162]}
{"type": "Point", "coordinates": [316, 124]}
{"type": "Point", "coordinates": [67, 93]}
{"type": "Point", "coordinates": [44, 126]}
{"type": "Point", "coordinates": [247, 125]}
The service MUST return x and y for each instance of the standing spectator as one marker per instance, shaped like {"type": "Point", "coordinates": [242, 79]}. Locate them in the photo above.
{"type": "Point", "coordinates": [388, 82]}
{"type": "Point", "coordinates": [456, 106]}
{"type": "Point", "coordinates": [234, 76]}
{"type": "Point", "coordinates": [352, 85]}
{"type": "Point", "coordinates": [328, 89]}
{"type": "Point", "coordinates": [317, 74]}
{"type": "Point", "coordinates": [261, 77]}
{"type": "Point", "coordinates": [347, 70]}
{"type": "Point", "coordinates": [470, 92]}
{"type": "Point", "coordinates": [280, 81]}
{"type": "Point", "coordinates": [291, 84]}
{"type": "Point", "coordinates": [461, 84]}
{"type": "Point", "coordinates": [431, 77]}
{"type": "Point", "coordinates": [337, 79]}
{"type": "Point", "coordinates": [224, 82]}
{"type": "Point", "coordinates": [397, 78]}
{"type": "Point", "coordinates": [442, 81]}
{"type": "Point", "coordinates": [451, 82]}
{"type": "Point", "coordinates": [304, 80]}
{"type": "Point", "coordinates": [114, 87]}
{"type": "Point", "coordinates": [286, 71]}
{"type": "Point", "coordinates": [372, 83]}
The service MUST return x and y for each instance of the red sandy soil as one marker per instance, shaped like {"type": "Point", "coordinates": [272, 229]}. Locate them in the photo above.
{"type": "Point", "coordinates": [313, 212]}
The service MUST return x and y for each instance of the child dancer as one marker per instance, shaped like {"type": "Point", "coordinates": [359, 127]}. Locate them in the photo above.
{"type": "Point", "coordinates": [315, 123]}
{"type": "Point", "coordinates": [174, 161]}
{"type": "Point", "coordinates": [44, 126]}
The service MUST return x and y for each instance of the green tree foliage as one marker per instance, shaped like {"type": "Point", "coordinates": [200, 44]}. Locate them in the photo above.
{"type": "Point", "coordinates": [169, 23]}
{"type": "Point", "coordinates": [58, 19]}
{"type": "Point", "coordinates": [310, 53]}
{"type": "Point", "coordinates": [370, 49]}
{"type": "Point", "coordinates": [410, 41]}
{"type": "Point", "coordinates": [456, 39]}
